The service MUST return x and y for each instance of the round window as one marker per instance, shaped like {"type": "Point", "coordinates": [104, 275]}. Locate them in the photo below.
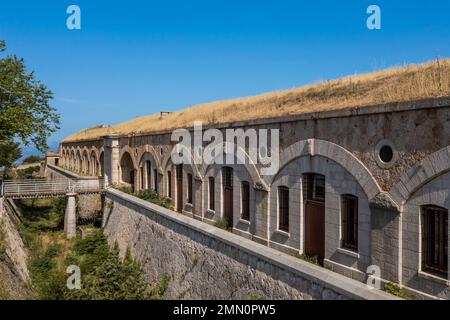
{"type": "Point", "coordinates": [386, 154]}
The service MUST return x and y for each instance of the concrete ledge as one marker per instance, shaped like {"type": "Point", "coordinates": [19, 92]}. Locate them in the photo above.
{"type": "Point", "coordinates": [328, 279]}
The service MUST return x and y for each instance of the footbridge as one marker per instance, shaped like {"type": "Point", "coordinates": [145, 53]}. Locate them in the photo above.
{"type": "Point", "coordinates": [55, 187]}
{"type": "Point", "coordinates": [44, 188]}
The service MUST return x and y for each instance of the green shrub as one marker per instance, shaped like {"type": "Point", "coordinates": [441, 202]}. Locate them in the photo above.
{"type": "Point", "coordinates": [395, 290]}
{"type": "Point", "coordinates": [306, 257]}
{"type": "Point", "coordinates": [147, 195]}
{"type": "Point", "coordinates": [27, 173]}
{"type": "Point", "coordinates": [222, 223]}
{"type": "Point", "coordinates": [255, 297]}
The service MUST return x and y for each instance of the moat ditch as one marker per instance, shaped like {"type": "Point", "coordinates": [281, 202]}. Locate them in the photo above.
{"type": "Point", "coordinates": [52, 261]}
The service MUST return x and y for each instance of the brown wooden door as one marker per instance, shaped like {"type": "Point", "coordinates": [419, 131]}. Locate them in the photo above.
{"type": "Point", "coordinates": [315, 229]}
{"type": "Point", "coordinates": [314, 196]}
{"type": "Point", "coordinates": [179, 188]}
{"type": "Point", "coordinates": [227, 176]}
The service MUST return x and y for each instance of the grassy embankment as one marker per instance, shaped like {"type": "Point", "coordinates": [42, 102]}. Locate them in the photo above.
{"type": "Point", "coordinates": [104, 275]}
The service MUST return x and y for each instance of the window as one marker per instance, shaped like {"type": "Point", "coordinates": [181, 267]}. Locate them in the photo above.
{"type": "Point", "coordinates": [245, 198]}
{"type": "Point", "coordinates": [142, 178]}
{"type": "Point", "coordinates": [349, 222]}
{"type": "Point", "coordinates": [211, 193]}
{"type": "Point", "coordinates": [314, 187]}
{"type": "Point", "coordinates": [155, 175]}
{"type": "Point", "coordinates": [189, 188]}
{"type": "Point", "coordinates": [434, 240]}
{"type": "Point", "coordinates": [227, 176]}
{"type": "Point", "coordinates": [169, 184]}
{"type": "Point", "coordinates": [149, 174]}
{"type": "Point", "coordinates": [283, 208]}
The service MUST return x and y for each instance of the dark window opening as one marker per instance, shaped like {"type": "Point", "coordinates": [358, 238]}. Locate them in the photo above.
{"type": "Point", "coordinates": [189, 188]}
{"type": "Point", "coordinates": [386, 154]}
{"type": "Point", "coordinates": [283, 208]}
{"type": "Point", "coordinates": [169, 184]}
{"type": "Point", "coordinates": [227, 175]}
{"type": "Point", "coordinates": [245, 194]}
{"type": "Point", "coordinates": [350, 222]}
{"type": "Point", "coordinates": [155, 175]}
{"type": "Point", "coordinates": [149, 174]}
{"type": "Point", "coordinates": [211, 194]}
{"type": "Point", "coordinates": [314, 187]}
{"type": "Point", "coordinates": [435, 240]}
{"type": "Point", "coordinates": [142, 178]}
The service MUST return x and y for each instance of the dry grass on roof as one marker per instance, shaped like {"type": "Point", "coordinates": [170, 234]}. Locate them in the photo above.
{"type": "Point", "coordinates": [408, 83]}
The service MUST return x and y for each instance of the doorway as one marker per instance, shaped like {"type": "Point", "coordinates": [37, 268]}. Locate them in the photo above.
{"type": "Point", "coordinates": [179, 173]}
{"type": "Point", "coordinates": [314, 198]}
{"type": "Point", "coordinates": [227, 179]}
{"type": "Point", "coordinates": [132, 179]}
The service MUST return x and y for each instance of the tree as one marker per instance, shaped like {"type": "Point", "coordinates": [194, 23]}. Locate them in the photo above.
{"type": "Point", "coordinates": [9, 152]}
{"type": "Point", "coordinates": [25, 110]}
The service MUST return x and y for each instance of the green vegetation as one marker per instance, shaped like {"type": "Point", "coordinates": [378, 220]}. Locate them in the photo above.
{"type": "Point", "coordinates": [307, 258]}
{"type": "Point", "coordinates": [222, 223]}
{"type": "Point", "coordinates": [255, 297]}
{"type": "Point", "coordinates": [2, 242]}
{"type": "Point", "coordinates": [32, 159]}
{"type": "Point", "coordinates": [9, 152]}
{"type": "Point", "coordinates": [395, 290]}
{"type": "Point", "coordinates": [104, 274]}
{"type": "Point", "coordinates": [27, 173]}
{"type": "Point", "coordinates": [25, 113]}
{"type": "Point", "coordinates": [147, 195]}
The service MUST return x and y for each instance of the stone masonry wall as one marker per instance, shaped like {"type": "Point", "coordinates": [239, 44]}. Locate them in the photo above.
{"type": "Point", "coordinates": [205, 262]}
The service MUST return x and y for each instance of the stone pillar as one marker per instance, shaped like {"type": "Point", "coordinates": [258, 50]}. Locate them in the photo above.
{"type": "Point", "coordinates": [385, 236]}
{"type": "Point", "coordinates": [70, 217]}
{"type": "Point", "coordinates": [111, 158]}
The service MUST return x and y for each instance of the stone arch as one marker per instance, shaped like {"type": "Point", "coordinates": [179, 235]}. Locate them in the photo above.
{"type": "Point", "coordinates": [431, 167]}
{"type": "Point", "coordinates": [127, 149]}
{"type": "Point", "coordinates": [146, 173]}
{"type": "Point", "coordinates": [168, 159]}
{"type": "Point", "coordinates": [127, 168]}
{"type": "Point", "coordinates": [340, 155]}
{"type": "Point", "coordinates": [148, 149]}
{"type": "Point", "coordinates": [258, 181]}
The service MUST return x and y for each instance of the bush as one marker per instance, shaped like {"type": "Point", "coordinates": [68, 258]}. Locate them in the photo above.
{"type": "Point", "coordinates": [395, 290]}
{"type": "Point", "coordinates": [147, 195]}
{"type": "Point", "coordinates": [27, 173]}
{"type": "Point", "coordinates": [306, 257]}
{"type": "Point", "coordinates": [222, 223]}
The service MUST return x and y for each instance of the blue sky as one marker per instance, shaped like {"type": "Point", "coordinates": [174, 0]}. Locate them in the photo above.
{"type": "Point", "coordinates": [133, 58]}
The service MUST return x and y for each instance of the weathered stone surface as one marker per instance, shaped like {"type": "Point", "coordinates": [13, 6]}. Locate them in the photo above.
{"type": "Point", "coordinates": [205, 262]}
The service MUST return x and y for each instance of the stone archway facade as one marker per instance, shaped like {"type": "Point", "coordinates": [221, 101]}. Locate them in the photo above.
{"type": "Point", "coordinates": [342, 146]}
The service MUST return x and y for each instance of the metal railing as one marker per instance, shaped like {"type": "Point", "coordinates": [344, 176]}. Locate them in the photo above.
{"type": "Point", "coordinates": [49, 187]}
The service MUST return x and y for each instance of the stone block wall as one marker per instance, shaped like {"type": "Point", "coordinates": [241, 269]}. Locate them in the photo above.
{"type": "Point", "coordinates": [205, 262]}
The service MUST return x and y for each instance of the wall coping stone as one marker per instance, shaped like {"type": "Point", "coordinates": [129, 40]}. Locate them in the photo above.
{"type": "Point", "coordinates": [328, 279]}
